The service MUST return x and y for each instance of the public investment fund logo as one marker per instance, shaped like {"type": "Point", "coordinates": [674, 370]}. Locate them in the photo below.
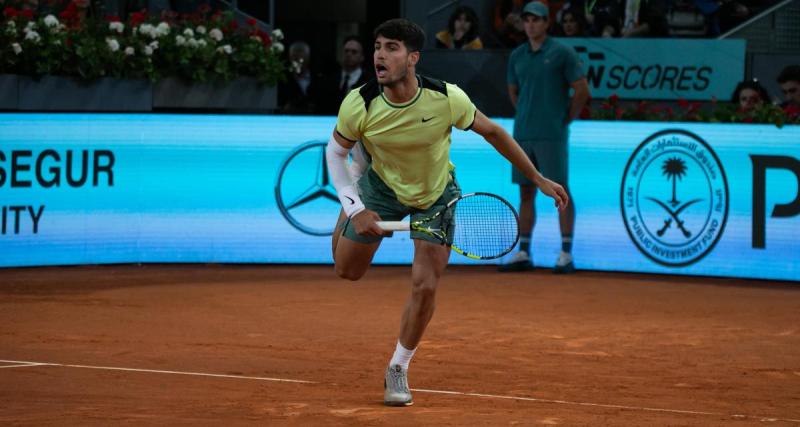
{"type": "Point", "coordinates": [674, 198]}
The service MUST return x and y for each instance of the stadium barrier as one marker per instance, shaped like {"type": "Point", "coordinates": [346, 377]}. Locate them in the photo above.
{"type": "Point", "coordinates": [675, 198]}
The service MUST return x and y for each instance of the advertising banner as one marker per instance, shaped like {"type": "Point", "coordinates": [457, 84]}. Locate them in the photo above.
{"type": "Point", "coordinates": [674, 198]}
{"type": "Point", "coordinates": [650, 68]}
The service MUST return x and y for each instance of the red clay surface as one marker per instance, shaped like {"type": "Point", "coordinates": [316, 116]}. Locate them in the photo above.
{"type": "Point", "coordinates": [535, 349]}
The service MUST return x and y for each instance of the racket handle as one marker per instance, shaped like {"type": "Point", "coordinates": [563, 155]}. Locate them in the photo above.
{"type": "Point", "coordinates": [394, 225]}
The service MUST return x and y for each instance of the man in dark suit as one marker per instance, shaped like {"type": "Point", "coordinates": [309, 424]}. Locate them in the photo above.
{"type": "Point", "coordinates": [350, 75]}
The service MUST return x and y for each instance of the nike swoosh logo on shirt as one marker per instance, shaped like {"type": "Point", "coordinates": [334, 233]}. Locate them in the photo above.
{"type": "Point", "coordinates": [426, 120]}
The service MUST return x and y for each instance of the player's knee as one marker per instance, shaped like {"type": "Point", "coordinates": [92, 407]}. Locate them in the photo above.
{"type": "Point", "coordinates": [348, 273]}
{"type": "Point", "coordinates": [423, 290]}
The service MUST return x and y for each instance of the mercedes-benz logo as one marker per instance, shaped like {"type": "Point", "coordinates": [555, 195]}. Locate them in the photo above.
{"type": "Point", "coordinates": [303, 191]}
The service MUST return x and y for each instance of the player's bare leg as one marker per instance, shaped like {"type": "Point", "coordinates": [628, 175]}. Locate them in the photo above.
{"type": "Point", "coordinates": [430, 260]}
{"type": "Point", "coordinates": [351, 259]}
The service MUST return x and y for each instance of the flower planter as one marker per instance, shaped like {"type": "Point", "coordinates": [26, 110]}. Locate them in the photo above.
{"type": "Point", "coordinates": [53, 93]}
{"type": "Point", "coordinates": [240, 94]}
{"type": "Point", "coordinates": [9, 92]}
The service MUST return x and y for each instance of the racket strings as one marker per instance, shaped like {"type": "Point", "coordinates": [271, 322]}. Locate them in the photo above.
{"type": "Point", "coordinates": [485, 226]}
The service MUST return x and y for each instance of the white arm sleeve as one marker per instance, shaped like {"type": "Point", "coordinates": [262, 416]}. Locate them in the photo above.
{"type": "Point", "coordinates": [336, 156]}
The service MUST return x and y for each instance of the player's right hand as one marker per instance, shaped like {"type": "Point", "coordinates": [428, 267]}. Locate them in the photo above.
{"type": "Point", "coordinates": [365, 223]}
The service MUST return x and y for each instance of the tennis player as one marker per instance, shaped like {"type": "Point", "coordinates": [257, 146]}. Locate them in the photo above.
{"type": "Point", "coordinates": [403, 122]}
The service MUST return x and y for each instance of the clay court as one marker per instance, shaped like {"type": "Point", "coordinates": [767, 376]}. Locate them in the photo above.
{"type": "Point", "coordinates": [293, 345]}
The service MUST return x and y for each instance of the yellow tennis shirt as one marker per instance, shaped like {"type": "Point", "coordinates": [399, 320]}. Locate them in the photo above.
{"type": "Point", "coordinates": [409, 143]}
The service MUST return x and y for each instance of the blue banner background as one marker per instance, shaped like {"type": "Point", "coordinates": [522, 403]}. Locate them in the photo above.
{"type": "Point", "coordinates": [650, 69]}
{"type": "Point", "coordinates": [202, 189]}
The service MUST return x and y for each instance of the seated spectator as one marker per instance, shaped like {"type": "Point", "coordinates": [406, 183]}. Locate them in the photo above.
{"type": "Point", "coordinates": [298, 95]}
{"type": "Point", "coordinates": [789, 79]}
{"type": "Point", "coordinates": [645, 18]}
{"type": "Point", "coordinates": [508, 26]}
{"type": "Point", "coordinates": [571, 24]}
{"type": "Point", "coordinates": [349, 75]}
{"type": "Point", "coordinates": [461, 32]}
{"type": "Point", "coordinates": [749, 94]}
{"type": "Point", "coordinates": [601, 18]}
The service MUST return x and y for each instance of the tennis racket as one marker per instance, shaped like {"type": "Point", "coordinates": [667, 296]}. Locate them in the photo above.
{"type": "Point", "coordinates": [483, 226]}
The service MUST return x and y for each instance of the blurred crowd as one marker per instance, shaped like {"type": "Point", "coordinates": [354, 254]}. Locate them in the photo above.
{"type": "Point", "coordinates": [320, 89]}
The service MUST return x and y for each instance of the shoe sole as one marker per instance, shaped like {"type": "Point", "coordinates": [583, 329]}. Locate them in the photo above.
{"type": "Point", "coordinates": [567, 269]}
{"type": "Point", "coordinates": [515, 268]}
{"type": "Point", "coordinates": [398, 404]}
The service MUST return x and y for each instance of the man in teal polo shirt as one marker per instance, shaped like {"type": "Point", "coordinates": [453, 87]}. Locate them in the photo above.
{"type": "Point", "coordinates": [540, 75]}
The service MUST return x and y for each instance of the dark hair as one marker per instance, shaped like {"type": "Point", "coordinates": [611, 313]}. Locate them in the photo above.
{"type": "Point", "coordinates": [353, 38]}
{"type": "Point", "coordinates": [404, 30]}
{"type": "Point", "coordinates": [471, 16]}
{"type": "Point", "coordinates": [790, 73]}
{"type": "Point", "coordinates": [752, 85]}
{"type": "Point", "coordinates": [579, 18]}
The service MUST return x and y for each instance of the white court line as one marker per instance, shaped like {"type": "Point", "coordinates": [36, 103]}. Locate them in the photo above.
{"type": "Point", "coordinates": [158, 371]}
{"type": "Point", "coordinates": [21, 365]}
{"type": "Point", "coordinates": [422, 390]}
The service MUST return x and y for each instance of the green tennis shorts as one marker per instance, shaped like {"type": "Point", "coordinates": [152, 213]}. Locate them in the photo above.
{"type": "Point", "coordinates": [549, 157]}
{"type": "Point", "coordinates": [378, 197]}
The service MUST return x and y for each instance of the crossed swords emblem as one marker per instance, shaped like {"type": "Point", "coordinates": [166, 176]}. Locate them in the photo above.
{"type": "Point", "coordinates": [673, 215]}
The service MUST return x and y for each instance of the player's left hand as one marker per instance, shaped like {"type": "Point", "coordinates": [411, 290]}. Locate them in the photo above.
{"type": "Point", "coordinates": [556, 191]}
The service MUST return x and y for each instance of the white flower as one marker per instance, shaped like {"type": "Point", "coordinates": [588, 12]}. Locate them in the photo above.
{"type": "Point", "coordinates": [277, 47]}
{"type": "Point", "coordinates": [225, 49]}
{"type": "Point", "coordinates": [255, 37]}
{"type": "Point", "coordinates": [147, 50]}
{"type": "Point", "coordinates": [30, 26]}
{"type": "Point", "coordinates": [148, 30]}
{"type": "Point", "coordinates": [180, 40]}
{"type": "Point", "coordinates": [129, 51]}
{"type": "Point", "coordinates": [192, 42]}
{"type": "Point", "coordinates": [113, 44]}
{"type": "Point", "coordinates": [215, 34]}
{"type": "Point", "coordinates": [277, 34]}
{"type": "Point", "coordinates": [200, 29]}
{"type": "Point", "coordinates": [17, 48]}
{"type": "Point", "coordinates": [202, 43]}
{"type": "Point", "coordinates": [188, 32]}
{"type": "Point", "coordinates": [11, 24]}
{"type": "Point", "coordinates": [119, 27]}
{"type": "Point", "coordinates": [11, 28]}
{"type": "Point", "coordinates": [162, 29]}
{"type": "Point", "coordinates": [51, 21]}
{"type": "Point", "coordinates": [33, 36]}
{"type": "Point", "coordinates": [154, 44]}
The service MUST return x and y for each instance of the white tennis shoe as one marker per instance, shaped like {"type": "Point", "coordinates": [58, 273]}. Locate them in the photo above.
{"type": "Point", "coordinates": [564, 264]}
{"type": "Point", "coordinates": [395, 387]}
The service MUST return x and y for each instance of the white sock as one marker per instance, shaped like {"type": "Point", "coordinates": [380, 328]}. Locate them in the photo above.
{"type": "Point", "coordinates": [402, 356]}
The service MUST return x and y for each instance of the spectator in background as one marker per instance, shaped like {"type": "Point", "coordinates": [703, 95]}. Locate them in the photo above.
{"type": "Point", "coordinates": [749, 94]}
{"type": "Point", "coordinates": [572, 24]}
{"type": "Point", "coordinates": [350, 75]}
{"type": "Point", "coordinates": [602, 18]}
{"type": "Point", "coordinates": [298, 95]}
{"type": "Point", "coordinates": [508, 26]}
{"type": "Point", "coordinates": [789, 79]}
{"type": "Point", "coordinates": [461, 32]}
{"type": "Point", "coordinates": [645, 18]}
